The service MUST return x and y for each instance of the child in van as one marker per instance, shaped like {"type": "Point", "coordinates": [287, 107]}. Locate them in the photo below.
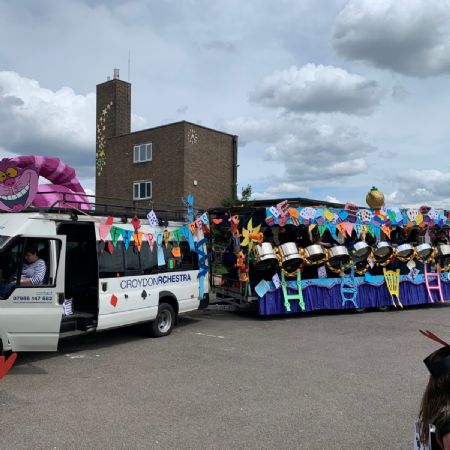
{"type": "Point", "coordinates": [434, 416]}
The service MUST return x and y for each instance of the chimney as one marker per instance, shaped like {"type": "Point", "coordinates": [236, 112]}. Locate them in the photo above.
{"type": "Point", "coordinates": [116, 74]}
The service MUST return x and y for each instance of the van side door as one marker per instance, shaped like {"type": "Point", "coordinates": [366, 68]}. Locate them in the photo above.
{"type": "Point", "coordinates": [30, 315]}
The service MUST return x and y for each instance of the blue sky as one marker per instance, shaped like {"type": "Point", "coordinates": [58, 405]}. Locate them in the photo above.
{"type": "Point", "coordinates": [328, 98]}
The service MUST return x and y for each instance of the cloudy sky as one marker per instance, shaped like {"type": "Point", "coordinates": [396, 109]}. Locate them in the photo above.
{"type": "Point", "coordinates": [328, 97]}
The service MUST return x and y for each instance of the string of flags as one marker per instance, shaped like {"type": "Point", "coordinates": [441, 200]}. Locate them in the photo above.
{"type": "Point", "coordinates": [361, 220]}
{"type": "Point", "coordinates": [110, 234]}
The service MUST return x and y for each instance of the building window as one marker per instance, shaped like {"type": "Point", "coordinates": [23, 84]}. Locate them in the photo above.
{"type": "Point", "coordinates": [142, 190]}
{"type": "Point", "coordinates": [142, 152]}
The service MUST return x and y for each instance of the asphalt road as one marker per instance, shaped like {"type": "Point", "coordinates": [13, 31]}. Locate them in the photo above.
{"type": "Point", "coordinates": [228, 381]}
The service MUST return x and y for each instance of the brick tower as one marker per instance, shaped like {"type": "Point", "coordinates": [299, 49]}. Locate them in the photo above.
{"type": "Point", "coordinates": [113, 117]}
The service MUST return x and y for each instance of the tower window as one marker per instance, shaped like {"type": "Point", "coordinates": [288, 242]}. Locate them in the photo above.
{"type": "Point", "coordinates": [142, 190]}
{"type": "Point", "coordinates": [142, 152]}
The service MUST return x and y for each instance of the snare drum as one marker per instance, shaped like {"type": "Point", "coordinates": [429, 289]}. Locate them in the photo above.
{"type": "Point", "coordinates": [338, 254]}
{"type": "Point", "coordinates": [383, 251]}
{"type": "Point", "coordinates": [291, 258]}
{"type": "Point", "coordinates": [314, 253]}
{"type": "Point", "coordinates": [264, 256]}
{"type": "Point", "coordinates": [405, 251]}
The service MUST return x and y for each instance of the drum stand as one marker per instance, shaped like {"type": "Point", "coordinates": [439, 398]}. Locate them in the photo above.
{"type": "Point", "coordinates": [429, 276]}
{"type": "Point", "coordinates": [298, 296]}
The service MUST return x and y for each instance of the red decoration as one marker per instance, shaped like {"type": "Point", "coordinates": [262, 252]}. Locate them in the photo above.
{"type": "Point", "coordinates": [136, 223]}
{"type": "Point", "coordinates": [5, 366]}
{"type": "Point", "coordinates": [114, 300]}
{"type": "Point", "coordinates": [217, 221]}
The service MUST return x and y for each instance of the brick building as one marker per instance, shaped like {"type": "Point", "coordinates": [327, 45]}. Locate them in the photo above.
{"type": "Point", "coordinates": [159, 166]}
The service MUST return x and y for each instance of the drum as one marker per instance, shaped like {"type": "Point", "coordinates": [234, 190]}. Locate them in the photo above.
{"type": "Point", "coordinates": [290, 256]}
{"type": "Point", "coordinates": [424, 251]}
{"type": "Point", "coordinates": [443, 250]}
{"type": "Point", "coordinates": [338, 254]}
{"type": "Point", "coordinates": [361, 250]}
{"type": "Point", "coordinates": [383, 251]}
{"type": "Point", "coordinates": [264, 256]}
{"type": "Point", "coordinates": [405, 251]}
{"type": "Point", "coordinates": [314, 253]}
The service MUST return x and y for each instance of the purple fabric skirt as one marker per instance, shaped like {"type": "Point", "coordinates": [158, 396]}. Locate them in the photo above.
{"type": "Point", "coordinates": [369, 296]}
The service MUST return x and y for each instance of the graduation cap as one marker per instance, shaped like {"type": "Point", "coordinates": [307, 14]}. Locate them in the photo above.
{"type": "Point", "coordinates": [438, 363]}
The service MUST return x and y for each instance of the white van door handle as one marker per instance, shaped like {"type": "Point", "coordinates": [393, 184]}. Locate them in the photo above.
{"type": "Point", "coordinates": [104, 286]}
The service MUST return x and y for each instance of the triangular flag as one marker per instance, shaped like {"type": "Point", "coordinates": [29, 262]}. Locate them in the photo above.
{"type": "Point", "coordinates": [137, 237]}
{"type": "Point", "coordinates": [116, 232]}
{"type": "Point", "coordinates": [358, 229]}
{"type": "Point", "coordinates": [166, 237]}
{"type": "Point", "coordinates": [370, 229]}
{"type": "Point", "coordinates": [311, 227]}
{"type": "Point", "coordinates": [322, 229]}
{"type": "Point", "coordinates": [192, 227]}
{"type": "Point", "coordinates": [104, 228]}
{"type": "Point", "coordinates": [190, 237]}
{"type": "Point", "coordinates": [161, 259]}
{"type": "Point", "coordinates": [332, 228]}
{"type": "Point", "coordinates": [126, 236]}
{"type": "Point", "coordinates": [386, 230]}
{"type": "Point", "coordinates": [364, 232]}
{"type": "Point", "coordinates": [177, 235]}
{"type": "Point", "coordinates": [349, 227]}
{"type": "Point", "coordinates": [341, 228]}
{"type": "Point", "coordinates": [376, 230]}
{"type": "Point", "coordinates": [110, 247]}
{"type": "Point", "coordinates": [152, 219]}
{"type": "Point", "coordinates": [150, 239]}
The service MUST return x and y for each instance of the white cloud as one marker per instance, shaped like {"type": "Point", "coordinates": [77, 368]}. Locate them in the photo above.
{"type": "Point", "coordinates": [330, 198]}
{"type": "Point", "coordinates": [417, 187]}
{"type": "Point", "coordinates": [36, 120]}
{"type": "Point", "coordinates": [308, 152]}
{"type": "Point", "coordinates": [410, 37]}
{"type": "Point", "coordinates": [320, 153]}
{"type": "Point", "coordinates": [61, 123]}
{"type": "Point", "coordinates": [317, 89]}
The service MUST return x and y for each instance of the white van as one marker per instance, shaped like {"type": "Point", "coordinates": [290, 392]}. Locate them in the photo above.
{"type": "Point", "coordinates": [107, 289]}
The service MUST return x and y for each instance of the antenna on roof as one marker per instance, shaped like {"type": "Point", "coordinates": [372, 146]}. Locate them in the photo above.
{"type": "Point", "coordinates": [129, 63]}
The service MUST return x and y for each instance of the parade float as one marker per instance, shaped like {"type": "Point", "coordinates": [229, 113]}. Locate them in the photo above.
{"type": "Point", "coordinates": [301, 255]}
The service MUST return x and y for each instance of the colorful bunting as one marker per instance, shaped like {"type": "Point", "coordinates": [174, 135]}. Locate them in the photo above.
{"type": "Point", "coordinates": [137, 237]}
{"type": "Point", "coordinates": [152, 219]}
{"type": "Point", "coordinates": [150, 239]}
{"type": "Point", "coordinates": [104, 228]}
{"type": "Point", "coordinates": [116, 232]}
{"type": "Point", "coordinates": [126, 237]}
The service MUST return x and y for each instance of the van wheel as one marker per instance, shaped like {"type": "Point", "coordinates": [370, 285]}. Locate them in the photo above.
{"type": "Point", "coordinates": [164, 322]}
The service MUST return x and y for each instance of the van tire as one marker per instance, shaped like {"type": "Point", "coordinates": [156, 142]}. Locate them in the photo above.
{"type": "Point", "coordinates": [164, 322]}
